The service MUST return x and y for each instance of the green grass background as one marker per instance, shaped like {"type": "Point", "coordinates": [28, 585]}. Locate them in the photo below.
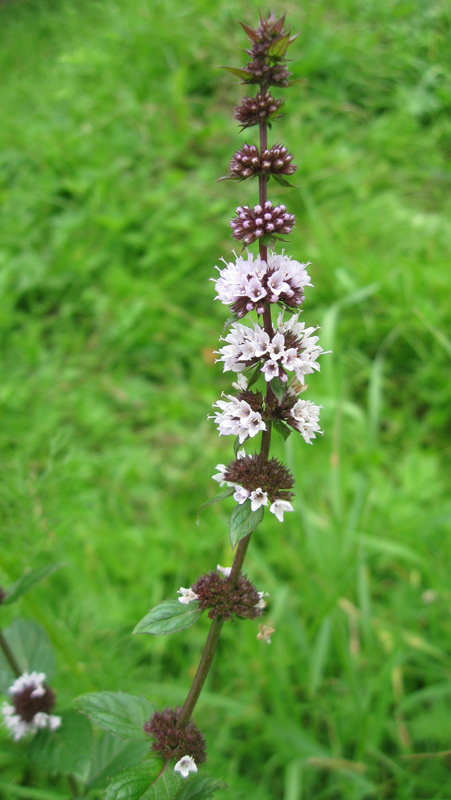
{"type": "Point", "coordinates": [116, 122]}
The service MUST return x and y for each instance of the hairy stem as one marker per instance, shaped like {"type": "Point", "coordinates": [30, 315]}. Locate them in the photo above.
{"type": "Point", "coordinates": [202, 672]}
{"type": "Point", "coordinates": [9, 655]}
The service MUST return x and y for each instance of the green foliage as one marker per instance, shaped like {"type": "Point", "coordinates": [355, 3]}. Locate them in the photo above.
{"type": "Point", "coordinates": [31, 648]}
{"type": "Point", "coordinates": [118, 713]}
{"type": "Point", "coordinates": [26, 582]}
{"type": "Point", "coordinates": [169, 616]}
{"type": "Point", "coordinates": [152, 780]}
{"type": "Point", "coordinates": [243, 521]}
{"type": "Point", "coordinates": [110, 756]}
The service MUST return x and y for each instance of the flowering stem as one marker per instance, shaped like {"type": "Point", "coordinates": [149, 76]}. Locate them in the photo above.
{"type": "Point", "coordinates": [216, 626]}
{"type": "Point", "coordinates": [10, 656]}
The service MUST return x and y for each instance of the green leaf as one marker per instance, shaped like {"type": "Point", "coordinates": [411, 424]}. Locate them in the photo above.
{"type": "Point", "coordinates": [279, 388]}
{"type": "Point", "coordinates": [110, 756]}
{"type": "Point", "coordinates": [237, 445]}
{"type": "Point", "coordinates": [27, 581]}
{"type": "Point", "coordinates": [65, 750]}
{"type": "Point", "coordinates": [241, 73]}
{"type": "Point", "coordinates": [255, 374]}
{"type": "Point", "coordinates": [282, 428]}
{"type": "Point", "coordinates": [169, 616]}
{"type": "Point", "coordinates": [230, 321]}
{"type": "Point", "coordinates": [216, 499]}
{"type": "Point", "coordinates": [119, 713]}
{"type": "Point", "coordinates": [200, 787]}
{"type": "Point", "coordinates": [244, 521]}
{"type": "Point", "coordinates": [268, 240]}
{"type": "Point", "coordinates": [278, 48]}
{"type": "Point", "coordinates": [31, 648]}
{"type": "Point", "coordinates": [142, 782]}
{"type": "Point", "coordinates": [284, 182]}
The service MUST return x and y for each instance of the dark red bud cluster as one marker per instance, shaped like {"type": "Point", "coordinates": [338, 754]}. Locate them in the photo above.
{"type": "Point", "coordinates": [253, 110]}
{"type": "Point", "coordinates": [253, 223]}
{"type": "Point", "coordinates": [28, 706]}
{"type": "Point", "coordinates": [248, 162]}
{"type": "Point", "coordinates": [252, 473]}
{"type": "Point", "coordinates": [172, 741]}
{"type": "Point", "coordinates": [215, 593]}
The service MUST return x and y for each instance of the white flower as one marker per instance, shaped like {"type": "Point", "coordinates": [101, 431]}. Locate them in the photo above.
{"type": "Point", "coordinates": [224, 570]}
{"type": "Point", "coordinates": [236, 418]}
{"type": "Point", "coordinates": [220, 476]}
{"type": "Point", "coordinates": [270, 370]}
{"type": "Point", "coordinates": [262, 602]}
{"type": "Point", "coordinates": [258, 498]}
{"type": "Point", "coordinates": [241, 495]}
{"type": "Point", "coordinates": [187, 596]}
{"type": "Point", "coordinates": [279, 507]}
{"type": "Point", "coordinates": [28, 692]}
{"type": "Point", "coordinates": [305, 416]}
{"type": "Point", "coordinates": [265, 632]}
{"type": "Point", "coordinates": [185, 766]}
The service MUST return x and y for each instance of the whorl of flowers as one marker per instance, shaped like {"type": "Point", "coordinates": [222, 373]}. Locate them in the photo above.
{"type": "Point", "coordinates": [253, 110]}
{"type": "Point", "coordinates": [30, 707]}
{"type": "Point", "coordinates": [251, 224]}
{"type": "Point", "coordinates": [214, 593]}
{"type": "Point", "coordinates": [248, 283]}
{"type": "Point", "coordinates": [172, 741]}
{"type": "Point", "coordinates": [293, 350]}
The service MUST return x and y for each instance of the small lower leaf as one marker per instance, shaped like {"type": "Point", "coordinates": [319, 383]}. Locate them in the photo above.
{"type": "Point", "coordinates": [144, 782]}
{"type": "Point", "coordinates": [279, 388]}
{"type": "Point", "coordinates": [117, 712]}
{"type": "Point", "coordinates": [110, 756]}
{"type": "Point", "coordinates": [218, 497]}
{"type": "Point", "coordinates": [282, 428]}
{"type": "Point", "coordinates": [169, 616]}
{"type": "Point", "coordinates": [244, 521]}
{"type": "Point", "coordinates": [200, 787]}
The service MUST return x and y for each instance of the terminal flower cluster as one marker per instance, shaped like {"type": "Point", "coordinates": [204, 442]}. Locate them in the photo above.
{"type": "Point", "coordinates": [293, 350]}
{"type": "Point", "coordinates": [249, 282]}
{"type": "Point", "coordinates": [32, 702]}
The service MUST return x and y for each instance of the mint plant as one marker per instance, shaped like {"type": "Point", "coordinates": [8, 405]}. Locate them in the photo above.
{"type": "Point", "coordinates": [271, 351]}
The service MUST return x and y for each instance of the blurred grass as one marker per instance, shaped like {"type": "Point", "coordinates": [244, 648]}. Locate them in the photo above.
{"type": "Point", "coordinates": [115, 124]}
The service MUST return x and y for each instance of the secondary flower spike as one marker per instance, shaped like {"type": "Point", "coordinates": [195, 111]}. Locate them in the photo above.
{"type": "Point", "coordinates": [32, 702]}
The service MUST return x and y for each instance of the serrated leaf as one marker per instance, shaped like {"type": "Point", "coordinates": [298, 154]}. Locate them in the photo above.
{"type": "Point", "coordinates": [31, 648]}
{"type": "Point", "coordinates": [278, 48]}
{"type": "Point", "coordinates": [244, 521]}
{"type": "Point", "coordinates": [142, 782]}
{"type": "Point", "coordinates": [169, 616]}
{"type": "Point", "coordinates": [65, 750]}
{"type": "Point", "coordinates": [279, 388]}
{"type": "Point", "coordinates": [217, 499]}
{"type": "Point", "coordinates": [27, 581]}
{"type": "Point", "coordinates": [284, 182]}
{"type": "Point", "coordinates": [200, 787]}
{"type": "Point", "coordinates": [282, 428]}
{"type": "Point", "coordinates": [240, 73]}
{"type": "Point", "coordinates": [110, 756]}
{"type": "Point", "coordinates": [119, 713]}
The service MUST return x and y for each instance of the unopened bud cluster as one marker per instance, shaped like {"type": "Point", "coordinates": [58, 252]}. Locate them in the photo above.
{"type": "Point", "coordinates": [248, 162]}
{"type": "Point", "coordinates": [251, 224]}
{"type": "Point", "coordinates": [173, 741]}
{"type": "Point", "coordinates": [253, 110]}
{"type": "Point", "coordinates": [215, 593]}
